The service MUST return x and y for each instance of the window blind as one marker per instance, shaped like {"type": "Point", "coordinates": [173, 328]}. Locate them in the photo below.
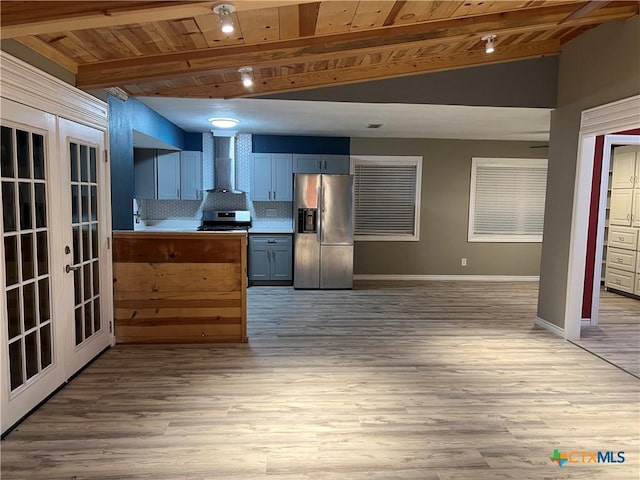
{"type": "Point", "coordinates": [385, 199]}
{"type": "Point", "coordinates": [508, 199]}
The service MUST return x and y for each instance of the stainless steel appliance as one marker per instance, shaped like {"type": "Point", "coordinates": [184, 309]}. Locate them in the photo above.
{"type": "Point", "coordinates": [323, 244]}
{"type": "Point", "coordinates": [225, 221]}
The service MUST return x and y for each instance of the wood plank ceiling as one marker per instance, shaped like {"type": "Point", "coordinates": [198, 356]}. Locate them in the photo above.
{"type": "Point", "coordinates": [177, 49]}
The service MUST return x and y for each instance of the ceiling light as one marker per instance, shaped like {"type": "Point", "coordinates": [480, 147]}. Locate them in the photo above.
{"type": "Point", "coordinates": [224, 122]}
{"type": "Point", "coordinates": [246, 74]}
{"type": "Point", "coordinates": [224, 11]}
{"type": "Point", "coordinates": [490, 48]}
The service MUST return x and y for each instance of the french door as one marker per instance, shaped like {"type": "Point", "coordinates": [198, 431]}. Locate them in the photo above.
{"type": "Point", "coordinates": [85, 243]}
{"type": "Point", "coordinates": [55, 301]}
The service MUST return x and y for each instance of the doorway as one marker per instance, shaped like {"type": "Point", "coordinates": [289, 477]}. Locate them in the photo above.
{"type": "Point", "coordinates": [617, 123]}
{"type": "Point", "coordinates": [611, 330]}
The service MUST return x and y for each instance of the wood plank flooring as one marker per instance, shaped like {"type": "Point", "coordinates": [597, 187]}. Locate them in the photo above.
{"type": "Point", "coordinates": [617, 336]}
{"type": "Point", "coordinates": [428, 381]}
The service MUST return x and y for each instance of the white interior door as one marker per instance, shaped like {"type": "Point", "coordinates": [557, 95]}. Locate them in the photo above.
{"type": "Point", "coordinates": [32, 327]}
{"type": "Point", "coordinates": [56, 301]}
{"type": "Point", "coordinates": [87, 296]}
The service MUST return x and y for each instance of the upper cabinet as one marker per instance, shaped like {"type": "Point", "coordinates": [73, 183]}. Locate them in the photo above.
{"type": "Point", "coordinates": [625, 171]}
{"type": "Point", "coordinates": [313, 163]}
{"type": "Point", "coordinates": [167, 174]}
{"type": "Point", "coordinates": [190, 175]}
{"type": "Point", "coordinates": [271, 177]}
{"type": "Point", "coordinates": [144, 163]}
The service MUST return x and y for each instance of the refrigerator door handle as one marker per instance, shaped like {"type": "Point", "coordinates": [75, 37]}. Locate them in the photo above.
{"type": "Point", "coordinates": [320, 214]}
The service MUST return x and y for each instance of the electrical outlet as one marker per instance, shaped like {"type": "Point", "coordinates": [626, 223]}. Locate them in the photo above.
{"type": "Point", "coordinates": [271, 212]}
{"type": "Point", "coordinates": [463, 262]}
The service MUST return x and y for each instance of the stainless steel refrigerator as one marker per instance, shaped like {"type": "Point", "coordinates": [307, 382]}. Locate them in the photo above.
{"type": "Point", "coordinates": [323, 244]}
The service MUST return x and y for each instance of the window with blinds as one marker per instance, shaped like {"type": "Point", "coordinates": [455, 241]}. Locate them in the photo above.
{"type": "Point", "coordinates": [387, 197]}
{"type": "Point", "coordinates": [506, 202]}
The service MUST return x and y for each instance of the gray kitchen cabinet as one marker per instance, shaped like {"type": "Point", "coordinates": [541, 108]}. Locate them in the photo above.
{"type": "Point", "coordinates": [168, 171]}
{"type": "Point", "coordinates": [144, 163]}
{"type": "Point", "coordinates": [315, 163]}
{"type": "Point", "coordinates": [271, 178]}
{"type": "Point", "coordinates": [167, 174]}
{"type": "Point", "coordinates": [270, 258]}
{"type": "Point", "coordinates": [190, 175]}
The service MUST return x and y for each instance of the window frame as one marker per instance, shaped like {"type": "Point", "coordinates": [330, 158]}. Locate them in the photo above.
{"type": "Point", "coordinates": [499, 162]}
{"type": "Point", "coordinates": [392, 160]}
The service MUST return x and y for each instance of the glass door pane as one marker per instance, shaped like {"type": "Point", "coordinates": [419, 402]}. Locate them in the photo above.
{"type": "Point", "coordinates": [25, 243]}
{"type": "Point", "coordinates": [85, 227]}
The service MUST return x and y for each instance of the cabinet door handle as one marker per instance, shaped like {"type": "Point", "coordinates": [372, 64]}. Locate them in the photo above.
{"type": "Point", "coordinates": [269, 194]}
{"type": "Point", "coordinates": [274, 194]}
{"type": "Point", "coordinates": [197, 193]}
{"type": "Point", "coordinates": [325, 164]}
{"type": "Point", "coordinates": [632, 179]}
{"type": "Point", "coordinates": [319, 164]}
{"type": "Point", "coordinates": [271, 241]}
{"type": "Point", "coordinates": [178, 193]}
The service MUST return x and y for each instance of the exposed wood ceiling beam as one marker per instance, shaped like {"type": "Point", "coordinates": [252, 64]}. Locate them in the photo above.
{"type": "Point", "coordinates": [20, 19]}
{"type": "Point", "coordinates": [584, 10]}
{"type": "Point", "coordinates": [47, 51]}
{"type": "Point", "coordinates": [141, 69]}
{"type": "Point", "coordinates": [342, 76]}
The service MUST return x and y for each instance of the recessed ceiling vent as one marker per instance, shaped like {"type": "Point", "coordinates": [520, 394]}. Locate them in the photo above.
{"type": "Point", "coordinates": [375, 125]}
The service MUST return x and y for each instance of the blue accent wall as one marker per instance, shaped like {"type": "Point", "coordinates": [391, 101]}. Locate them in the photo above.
{"type": "Point", "coordinates": [193, 141]}
{"type": "Point", "coordinates": [300, 144]}
{"type": "Point", "coordinates": [124, 118]}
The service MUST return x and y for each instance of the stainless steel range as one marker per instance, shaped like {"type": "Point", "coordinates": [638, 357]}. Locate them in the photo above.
{"type": "Point", "coordinates": [225, 221]}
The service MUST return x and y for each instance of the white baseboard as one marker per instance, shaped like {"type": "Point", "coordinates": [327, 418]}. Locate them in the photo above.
{"type": "Point", "coordinates": [469, 278]}
{"type": "Point", "coordinates": [540, 322]}
{"type": "Point", "coordinates": [585, 322]}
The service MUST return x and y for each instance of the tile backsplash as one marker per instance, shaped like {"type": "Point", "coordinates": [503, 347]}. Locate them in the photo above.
{"type": "Point", "coordinates": [152, 211]}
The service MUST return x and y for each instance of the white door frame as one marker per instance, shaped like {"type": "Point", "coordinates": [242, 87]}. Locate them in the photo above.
{"type": "Point", "coordinates": [603, 120]}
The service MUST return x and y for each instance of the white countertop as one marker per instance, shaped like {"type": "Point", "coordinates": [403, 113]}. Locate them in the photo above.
{"type": "Point", "coordinates": [166, 225]}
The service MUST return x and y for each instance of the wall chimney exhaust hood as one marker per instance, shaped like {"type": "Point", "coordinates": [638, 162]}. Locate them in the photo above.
{"type": "Point", "coordinates": [224, 162]}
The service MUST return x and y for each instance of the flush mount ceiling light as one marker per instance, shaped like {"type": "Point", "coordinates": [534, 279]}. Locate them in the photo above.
{"type": "Point", "coordinates": [224, 122]}
{"type": "Point", "coordinates": [246, 74]}
{"type": "Point", "coordinates": [224, 11]}
{"type": "Point", "coordinates": [490, 48]}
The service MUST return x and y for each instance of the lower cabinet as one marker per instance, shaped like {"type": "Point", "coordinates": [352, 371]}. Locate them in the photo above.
{"type": "Point", "coordinates": [270, 258]}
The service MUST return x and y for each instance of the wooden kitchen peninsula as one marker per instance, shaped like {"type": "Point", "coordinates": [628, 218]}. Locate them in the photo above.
{"type": "Point", "coordinates": [174, 287]}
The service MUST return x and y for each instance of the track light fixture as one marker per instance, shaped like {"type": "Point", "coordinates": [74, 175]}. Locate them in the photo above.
{"type": "Point", "coordinates": [224, 11]}
{"type": "Point", "coordinates": [246, 75]}
{"type": "Point", "coordinates": [490, 48]}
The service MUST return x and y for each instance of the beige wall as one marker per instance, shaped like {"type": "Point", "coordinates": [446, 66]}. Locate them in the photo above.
{"type": "Point", "coordinates": [599, 67]}
{"type": "Point", "coordinates": [23, 53]}
{"type": "Point", "coordinates": [446, 175]}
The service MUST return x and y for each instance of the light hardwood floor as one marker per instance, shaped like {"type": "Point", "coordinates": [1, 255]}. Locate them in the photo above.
{"type": "Point", "coordinates": [428, 381]}
{"type": "Point", "coordinates": [617, 336]}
